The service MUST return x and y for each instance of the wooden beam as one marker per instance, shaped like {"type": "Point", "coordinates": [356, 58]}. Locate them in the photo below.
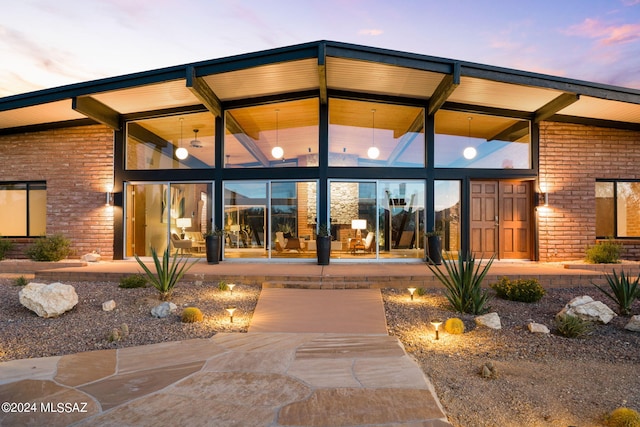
{"type": "Point", "coordinates": [512, 133]}
{"type": "Point", "coordinates": [446, 87]}
{"type": "Point", "coordinates": [97, 111]}
{"type": "Point", "coordinates": [203, 92]}
{"type": "Point", "coordinates": [247, 142]}
{"type": "Point", "coordinates": [554, 106]}
{"type": "Point", "coordinates": [145, 136]}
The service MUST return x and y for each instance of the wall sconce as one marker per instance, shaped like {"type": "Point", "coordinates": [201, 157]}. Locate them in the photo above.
{"type": "Point", "coordinates": [230, 310]}
{"type": "Point", "coordinates": [543, 199]}
{"type": "Point", "coordinates": [411, 291]}
{"type": "Point", "coordinates": [231, 286]}
{"type": "Point", "coordinates": [436, 324]}
{"type": "Point", "coordinates": [109, 201]}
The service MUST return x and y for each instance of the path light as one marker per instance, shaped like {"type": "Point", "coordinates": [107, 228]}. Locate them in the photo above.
{"type": "Point", "coordinates": [230, 310]}
{"type": "Point", "coordinates": [411, 291]}
{"type": "Point", "coordinates": [231, 286]}
{"type": "Point", "coordinates": [436, 324]}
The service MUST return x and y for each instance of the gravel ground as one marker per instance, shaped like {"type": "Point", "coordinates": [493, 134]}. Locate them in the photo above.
{"type": "Point", "coordinates": [542, 380]}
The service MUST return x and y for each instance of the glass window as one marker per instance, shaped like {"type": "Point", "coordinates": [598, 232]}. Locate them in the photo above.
{"type": "Point", "coordinates": [466, 140]}
{"type": "Point", "coordinates": [245, 219]}
{"type": "Point", "coordinates": [293, 219]}
{"type": "Point", "coordinates": [158, 143]}
{"type": "Point", "coordinates": [447, 218]}
{"type": "Point", "coordinates": [23, 209]}
{"type": "Point", "coordinates": [617, 209]}
{"type": "Point", "coordinates": [373, 134]}
{"type": "Point", "coordinates": [272, 135]}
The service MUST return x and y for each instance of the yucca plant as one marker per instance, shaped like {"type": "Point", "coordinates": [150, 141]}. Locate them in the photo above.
{"type": "Point", "coordinates": [623, 290]}
{"type": "Point", "coordinates": [167, 275]}
{"type": "Point", "coordinates": [463, 283]}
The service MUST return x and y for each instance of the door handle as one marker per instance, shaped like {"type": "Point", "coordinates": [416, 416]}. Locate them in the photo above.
{"type": "Point", "coordinates": [497, 221]}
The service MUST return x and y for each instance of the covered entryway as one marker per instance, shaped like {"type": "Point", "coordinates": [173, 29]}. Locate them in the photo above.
{"type": "Point", "coordinates": [501, 219]}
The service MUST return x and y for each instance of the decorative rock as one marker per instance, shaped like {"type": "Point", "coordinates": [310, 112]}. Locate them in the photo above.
{"type": "Point", "coordinates": [48, 300]}
{"type": "Point", "coordinates": [586, 308]}
{"type": "Point", "coordinates": [163, 310]}
{"type": "Point", "coordinates": [490, 320]}
{"type": "Point", "coordinates": [109, 305]}
{"type": "Point", "coordinates": [538, 328]}
{"type": "Point", "coordinates": [91, 257]}
{"type": "Point", "coordinates": [488, 371]}
{"type": "Point", "coordinates": [634, 324]}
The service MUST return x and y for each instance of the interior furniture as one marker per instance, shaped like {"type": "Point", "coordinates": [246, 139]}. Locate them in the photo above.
{"type": "Point", "coordinates": [180, 244]}
{"type": "Point", "coordinates": [288, 243]}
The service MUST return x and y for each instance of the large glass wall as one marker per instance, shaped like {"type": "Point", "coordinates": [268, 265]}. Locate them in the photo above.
{"type": "Point", "coordinates": [468, 140]}
{"type": "Point", "coordinates": [447, 214]}
{"type": "Point", "coordinates": [161, 215]}
{"type": "Point", "coordinates": [373, 134]}
{"type": "Point", "coordinates": [185, 141]}
{"type": "Point", "coordinates": [272, 135]}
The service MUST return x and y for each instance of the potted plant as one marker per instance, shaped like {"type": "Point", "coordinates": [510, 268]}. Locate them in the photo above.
{"type": "Point", "coordinates": [213, 245]}
{"type": "Point", "coordinates": [323, 244]}
{"type": "Point", "coordinates": [433, 246]}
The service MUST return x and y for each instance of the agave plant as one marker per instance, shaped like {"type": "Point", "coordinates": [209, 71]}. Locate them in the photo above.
{"type": "Point", "coordinates": [167, 275]}
{"type": "Point", "coordinates": [623, 290]}
{"type": "Point", "coordinates": [463, 283]}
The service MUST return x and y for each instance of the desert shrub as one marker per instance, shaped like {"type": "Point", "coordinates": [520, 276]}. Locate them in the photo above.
{"type": "Point", "coordinates": [524, 290]}
{"type": "Point", "coordinates": [192, 315]}
{"type": "Point", "coordinates": [222, 286]}
{"type": "Point", "coordinates": [50, 248]}
{"type": "Point", "coordinates": [573, 327]}
{"type": "Point", "coordinates": [21, 281]}
{"type": "Point", "coordinates": [454, 325]}
{"type": "Point", "coordinates": [606, 252]}
{"type": "Point", "coordinates": [5, 246]}
{"type": "Point", "coordinates": [167, 274]}
{"type": "Point", "coordinates": [133, 281]}
{"type": "Point", "coordinates": [624, 291]}
{"type": "Point", "coordinates": [623, 417]}
{"type": "Point", "coordinates": [421, 292]}
{"type": "Point", "coordinates": [463, 283]}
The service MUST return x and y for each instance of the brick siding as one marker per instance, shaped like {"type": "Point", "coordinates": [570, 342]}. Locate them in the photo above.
{"type": "Point", "coordinates": [77, 165]}
{"type": "Point", "coordinates": [572, 157]}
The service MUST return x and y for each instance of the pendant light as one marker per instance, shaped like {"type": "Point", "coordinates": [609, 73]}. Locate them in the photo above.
{"type": "Point", "coordinates": [373, 151]}
{"type": "Point", "coordinates": [277, 152]}
{"type": "Point", "coordinates": [194, 142]}
{"type": "Point", "coordinates": [181, 152]}
{"type": "Point", "coordinates": [470, 152]}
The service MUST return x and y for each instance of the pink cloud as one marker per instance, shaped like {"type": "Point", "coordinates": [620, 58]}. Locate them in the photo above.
{"type": "Point", "coordinates": [370, 32]}
{"type": "Point", "coordinates": [606, 35]}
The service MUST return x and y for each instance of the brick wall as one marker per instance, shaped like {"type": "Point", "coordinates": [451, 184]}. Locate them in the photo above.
{"type": "Point", "coordinates": [77, 165]}
{"type": "Point", "coordinates": [572, 157]}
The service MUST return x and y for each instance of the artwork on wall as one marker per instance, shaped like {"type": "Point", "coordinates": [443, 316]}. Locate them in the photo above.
{"type": "Point", "coordinates": [176, 203]}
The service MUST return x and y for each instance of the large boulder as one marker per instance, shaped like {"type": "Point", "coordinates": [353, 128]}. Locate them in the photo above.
{"type": "Point", "coordinates": [490, 320]}
{"type": "Point", "coordinates": [48, 300]}
{"type": "Point", "coordinates": [163, 310]}
{"type": "Point", "coordinates": [586, 308]}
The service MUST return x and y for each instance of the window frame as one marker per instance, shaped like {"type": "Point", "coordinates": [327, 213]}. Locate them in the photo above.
{"type": "Point", "coordinates": [29, 186]}
{"type": "Point", "coordinates": [615, 183]}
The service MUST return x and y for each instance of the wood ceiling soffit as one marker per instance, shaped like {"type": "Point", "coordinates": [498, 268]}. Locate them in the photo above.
{"type": "Point", "coordinates": [145, 136]}
{"type": "Point", "coordinates": [203, 92]}
{"type": "Point", "coordinates": [512, 133]}
{"type": "Point", "coordinates": [322, 74]}
{"type": "Point", "coordinates": [236, 129]}
{"type": "Point", "coordinates": [555, 105]}
{"type": "Point", "coordinates": [97, 111]}
{"type": "Point", "coordinates": [446, 87]}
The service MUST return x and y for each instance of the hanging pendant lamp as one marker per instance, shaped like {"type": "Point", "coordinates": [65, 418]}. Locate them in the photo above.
{"type": "Point", "coordinates": [277, 152]}
{"type": "Point", "coordinates": [181, 152]}
{"type": "Point", "coordinates": [470, 152]}
{"type": "Point", "coordinates": [373, 151]}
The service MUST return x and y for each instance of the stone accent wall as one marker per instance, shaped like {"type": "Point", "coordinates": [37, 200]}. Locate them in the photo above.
{"type": "Point", "coordinates": [572, 157]}
{"type": "Point", "coordinates": [77, 165]}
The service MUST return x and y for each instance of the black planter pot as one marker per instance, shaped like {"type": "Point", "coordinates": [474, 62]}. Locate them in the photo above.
{"type": "Point", "coordinates": [434, 250]}
{"type": "Point", "coordinates": [212, 244]}
{"type": "Point", "coordinates": [323, 248]}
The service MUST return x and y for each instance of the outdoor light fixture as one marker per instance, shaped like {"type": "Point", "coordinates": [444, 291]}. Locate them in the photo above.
{"type": "Point", "coordinates": [109, 199]}
{"type": "Point", "coordinates": [277, 152]}
{"type": "Point", "coordinates": [373, 151]}
{"type": "Point", "coordinates": [230, 310]}
{"type": "Point", "coordinates": [231, 286]}
{"type": "Point", "coordinates": [183, 223]}
{"type": "Point", "coordinates": [436, 324]}
{"type": "Point", "coordinates": [181, 152]}
{"type": "Point", "coordinates": [358, 225]}
{"type": "Point", "coordinates": [545, 197]}
{"type": "Point", "coordinates": [411, 291]}
{"type": "Point", "coordinates": [470, 152]}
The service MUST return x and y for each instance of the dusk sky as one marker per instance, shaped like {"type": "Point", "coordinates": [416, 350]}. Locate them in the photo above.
{"type": "Point", "coordinates": [46, 43]}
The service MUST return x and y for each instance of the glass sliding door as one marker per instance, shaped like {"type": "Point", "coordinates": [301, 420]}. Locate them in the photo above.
{"type": "Point", "coordinates": [447, 215]}
{"type": "Point", "coordinates": [167, 215]}
{"type": "Point", "coordinates": [401, 212]}
{"type": "Point", "coordinates": [245, 219]}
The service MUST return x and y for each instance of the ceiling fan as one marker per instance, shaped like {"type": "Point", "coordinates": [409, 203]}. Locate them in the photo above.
{"type": "Point", "coordinates": [195, 143]}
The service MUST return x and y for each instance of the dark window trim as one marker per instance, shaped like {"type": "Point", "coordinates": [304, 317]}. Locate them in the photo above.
{"type": "Point", "coordinates": [29, 186]}
{"type": "Point", "coordinates": [615, 208]}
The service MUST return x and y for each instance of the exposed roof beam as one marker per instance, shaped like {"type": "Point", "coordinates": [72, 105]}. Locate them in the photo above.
{"type": "Point", "coordinates": [512, 133]}
{"type": "Point", "coordinates": [203, 92]}
{"type": "Point", "coordinates": [322, 73]}
{"type": "Point", "coordinates": [554, 106]}
{"type": "Point", "coordinates": [407, 139]}
{"type": "Point", "coordinates": [97, 111]}
{"type": "Point", "coordinates": [162, 146]}
{"type": "Point", "coordinates": [446, 87]}
{"type": "Point", "coordinates": [236, 129]}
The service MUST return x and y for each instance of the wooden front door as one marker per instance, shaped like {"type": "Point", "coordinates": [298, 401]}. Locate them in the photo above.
{"type": "Point", "coordinates": [501, 219]}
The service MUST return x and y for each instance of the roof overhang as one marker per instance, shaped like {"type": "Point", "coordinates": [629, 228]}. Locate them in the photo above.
{"type": "Point", "coordinates": [322, 68]}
